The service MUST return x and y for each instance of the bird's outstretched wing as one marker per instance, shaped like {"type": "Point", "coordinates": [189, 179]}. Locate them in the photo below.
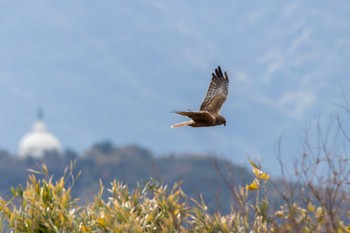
{"type": "Point", "coordinates": [198, 116]}
{"type": "Point", "coordinates": [217, 92]}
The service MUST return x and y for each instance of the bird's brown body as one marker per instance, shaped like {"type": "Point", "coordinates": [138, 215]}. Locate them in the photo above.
{"type": "Point", "coordinates": [208, 115]}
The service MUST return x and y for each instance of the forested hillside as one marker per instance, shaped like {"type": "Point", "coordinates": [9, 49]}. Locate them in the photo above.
{"type": "Point", "coordinates": [201, 174]}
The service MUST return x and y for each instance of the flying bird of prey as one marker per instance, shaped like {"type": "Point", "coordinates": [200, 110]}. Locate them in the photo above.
{"type": "Point", "coordinates": [208, 114]}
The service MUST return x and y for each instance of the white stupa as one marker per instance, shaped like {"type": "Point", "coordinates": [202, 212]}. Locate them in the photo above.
{"type": "Point", "coordinates": [39, 141]}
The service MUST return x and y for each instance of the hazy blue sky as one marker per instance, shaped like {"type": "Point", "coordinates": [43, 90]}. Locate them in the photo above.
{"type": "Point", "coordinates": [116, 69]}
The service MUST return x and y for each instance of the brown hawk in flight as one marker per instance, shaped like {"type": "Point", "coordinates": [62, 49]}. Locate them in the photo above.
{"type": "Point", "coordinates": [208, 114]}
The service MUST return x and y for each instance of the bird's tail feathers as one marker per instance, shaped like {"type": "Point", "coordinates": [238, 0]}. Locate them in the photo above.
{"type": "Point", "coordinates": [185, 123]}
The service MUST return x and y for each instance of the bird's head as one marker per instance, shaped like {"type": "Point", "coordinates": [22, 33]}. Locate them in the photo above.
{"type": "Point", "coordinates": [220, 120]}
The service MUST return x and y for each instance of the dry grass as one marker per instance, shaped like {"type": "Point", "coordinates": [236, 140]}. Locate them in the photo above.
{"type": "Point", "coordinates": [47, 206]}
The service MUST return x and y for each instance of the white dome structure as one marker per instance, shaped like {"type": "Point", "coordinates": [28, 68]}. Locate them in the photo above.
{"type": "Point", "coordinates": [38, 142]}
